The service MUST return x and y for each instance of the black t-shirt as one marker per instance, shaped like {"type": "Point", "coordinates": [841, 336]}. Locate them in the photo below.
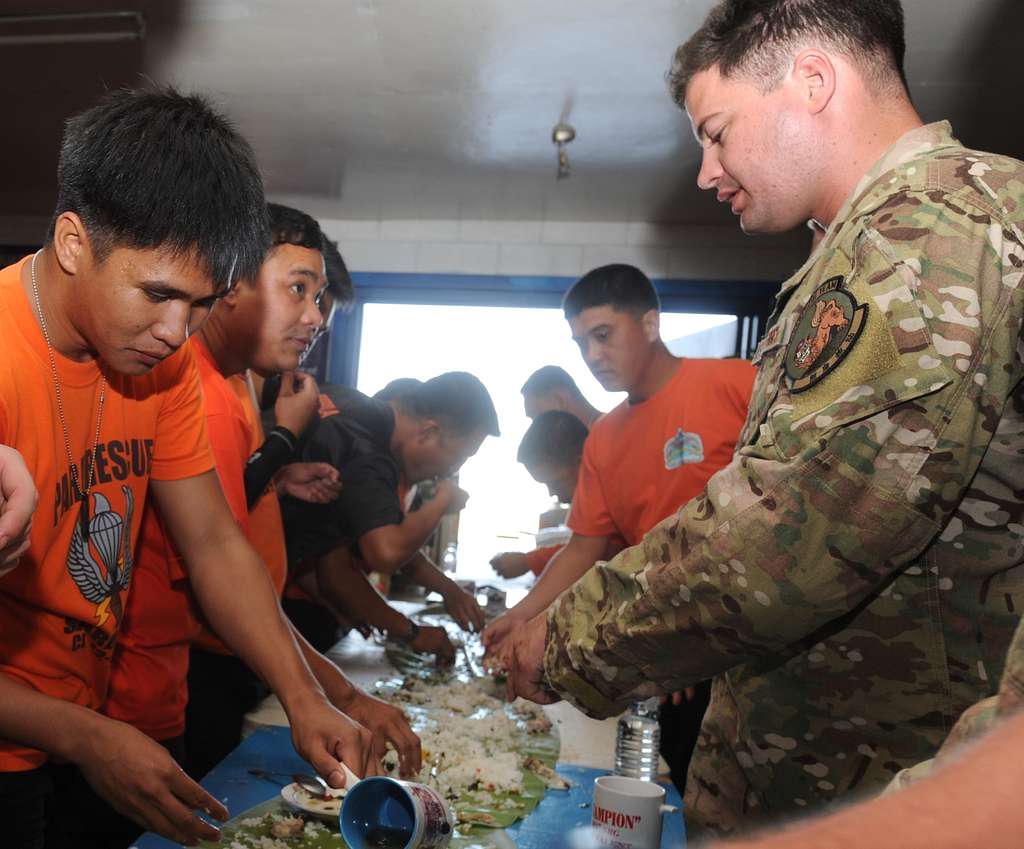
{"type": "Point", "coordinates": [357, 442]}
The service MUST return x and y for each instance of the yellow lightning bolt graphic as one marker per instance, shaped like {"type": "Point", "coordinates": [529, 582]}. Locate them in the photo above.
{"type": "Point", "coordinates": [103, 611]}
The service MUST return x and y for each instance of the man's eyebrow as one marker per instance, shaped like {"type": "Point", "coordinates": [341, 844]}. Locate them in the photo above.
{"type": "Point", "coordinates": [305, 272]}
{"type": "Point", "coordinates": [162, 287]}
{"type": "Point", "coordinates": [168, 290]}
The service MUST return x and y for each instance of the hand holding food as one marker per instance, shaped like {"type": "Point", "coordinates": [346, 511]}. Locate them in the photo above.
{"type": "Point", "coordinates": [498, 631]}
{"type": "Point", "coordinates": [526, 663]}
{"type": "Point", "coordinates": [388, 725]}
{"type": "Point", "coordinates": [434, 640]}
{"type": "Point", "coordinates": [330, 740]}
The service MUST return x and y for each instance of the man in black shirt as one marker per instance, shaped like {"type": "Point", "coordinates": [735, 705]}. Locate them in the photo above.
{"type": "Point", "coordinates": [427, 431]}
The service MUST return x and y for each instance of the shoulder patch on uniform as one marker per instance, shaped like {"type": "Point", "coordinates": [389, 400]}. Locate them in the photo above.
{"type": "Point", "coordinates": [825, 333]}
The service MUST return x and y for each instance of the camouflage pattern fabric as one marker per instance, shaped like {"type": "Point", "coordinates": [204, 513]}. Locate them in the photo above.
{"type": "Point", "coordinates": [980, 718]}
{"type": "Point", "coordinates": [853, 578]}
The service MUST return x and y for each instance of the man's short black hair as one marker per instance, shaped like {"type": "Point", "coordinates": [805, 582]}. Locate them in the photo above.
{"type": "Point", "coordinates": [290, 226]}
{"type": "Point", "coordinates": [457, 400]}
{"type": "Point", "coordinates": [548, 379]}
{"type": "Point", "coordinates": [755, 38]}
{"type": "Point", "coordinates": [397, 388]}
{"type": "Point", "coordinates": [555, 438]}
{"type": "Point", "coordinates": [339, 281]}
{"type": "Point", "coordinates": [621, 287]}
{"type": "Point", "coordinates": [158, 169]}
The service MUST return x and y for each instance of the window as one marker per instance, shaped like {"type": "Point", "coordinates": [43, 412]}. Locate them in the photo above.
{"type": "Point", "coordinates": [502, 346]}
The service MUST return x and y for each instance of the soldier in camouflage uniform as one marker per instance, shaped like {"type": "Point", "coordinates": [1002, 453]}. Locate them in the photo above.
{"type": "Point", "coordinates": [853, 577]}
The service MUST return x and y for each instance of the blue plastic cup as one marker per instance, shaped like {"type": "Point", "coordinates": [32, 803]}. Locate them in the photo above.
{"type": "Point", "coordinates": [385, 813]}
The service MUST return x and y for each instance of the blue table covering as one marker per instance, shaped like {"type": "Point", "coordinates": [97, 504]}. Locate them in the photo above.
{"type": "Point", "coordinates": [271, 749]}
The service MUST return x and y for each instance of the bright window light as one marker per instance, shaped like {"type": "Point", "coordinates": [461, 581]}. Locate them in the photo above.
{"type": "Point", "coordinates": [502, 346]}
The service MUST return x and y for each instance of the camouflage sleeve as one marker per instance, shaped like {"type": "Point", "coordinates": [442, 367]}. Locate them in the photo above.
{"type": "Point", "coordinates": [835, 488]}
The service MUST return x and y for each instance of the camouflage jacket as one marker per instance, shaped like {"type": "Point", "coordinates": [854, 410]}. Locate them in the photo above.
{"type": "Point", "coordinates": [854, 576]}
{"type": "Point", "coordinates": [980, 718]}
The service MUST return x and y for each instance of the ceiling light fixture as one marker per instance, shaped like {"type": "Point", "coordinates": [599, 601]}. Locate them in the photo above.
{"type": "Point", "coordinates": [561, 135]}
{"type": "Point", "coordinates": [71, 28]}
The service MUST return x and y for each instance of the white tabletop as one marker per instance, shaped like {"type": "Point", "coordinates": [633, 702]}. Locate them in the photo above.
{"type": "Point", "coordinates": [585, 741]}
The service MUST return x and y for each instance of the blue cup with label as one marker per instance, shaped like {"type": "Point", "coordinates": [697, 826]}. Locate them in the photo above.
{"type": "Point", "coordinates": [385, 813]}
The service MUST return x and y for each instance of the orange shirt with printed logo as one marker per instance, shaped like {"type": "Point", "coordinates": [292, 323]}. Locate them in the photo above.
{"type": "Point", "coordinates": [61, 608]}
{"type": "Point", "coordinates": [148, 686]}
{"type": "Point", "coordinates": [642, 462]}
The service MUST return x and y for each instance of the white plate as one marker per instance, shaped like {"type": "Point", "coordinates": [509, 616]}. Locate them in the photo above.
{"type": "Point", "coordinates": [300, 799]}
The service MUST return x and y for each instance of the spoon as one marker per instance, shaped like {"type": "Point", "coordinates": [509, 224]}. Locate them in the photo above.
{"type": "Point", "coordinates": [312, 784]}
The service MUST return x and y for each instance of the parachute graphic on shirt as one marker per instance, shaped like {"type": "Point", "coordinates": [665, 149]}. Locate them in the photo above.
{"type": "Point", "coordinates": [102, 581]}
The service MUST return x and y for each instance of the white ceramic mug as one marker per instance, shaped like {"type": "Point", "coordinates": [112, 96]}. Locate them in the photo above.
{"type": "Point", "coordinates": [627, 812]}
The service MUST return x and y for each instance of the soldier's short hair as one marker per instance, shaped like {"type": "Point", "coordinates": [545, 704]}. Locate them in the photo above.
{"type": "Point", "coordinates": [621, 287]}
{"type": "Point", "coordinates": [756, 38]}
{"type": "Point", "coordinates": [555, 438]}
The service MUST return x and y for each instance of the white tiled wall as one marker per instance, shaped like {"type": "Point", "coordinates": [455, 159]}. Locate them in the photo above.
{"type": "Point", "coordinates": [562, 248]}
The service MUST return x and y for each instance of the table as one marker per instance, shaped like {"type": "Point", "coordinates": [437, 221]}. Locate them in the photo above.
{"type": "Point", "coordinates": [271, 749]}
{"type": "Point", "coordinates": [587, 751]}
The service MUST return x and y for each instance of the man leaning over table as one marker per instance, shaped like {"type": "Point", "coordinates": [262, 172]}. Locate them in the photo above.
{"type": "Point", "coordinates": [853, 576]}
{"type": "Point", "coordinates": [160, 209]}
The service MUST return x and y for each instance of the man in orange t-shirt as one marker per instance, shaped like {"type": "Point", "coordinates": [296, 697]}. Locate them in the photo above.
{"type": "Point", "coordinates": [103, 401]}
{"type": "Point", "coordinates": [262, 323]}
{"type": "Point", "coordinates": [646, 458]}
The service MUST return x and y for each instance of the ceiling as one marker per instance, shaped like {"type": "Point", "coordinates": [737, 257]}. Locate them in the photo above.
{"type": "Point", "coordinates": [441, 109]}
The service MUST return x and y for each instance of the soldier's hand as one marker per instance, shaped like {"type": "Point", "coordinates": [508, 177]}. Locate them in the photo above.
{"type": "Point", "coordinates": [142, 781]}
{"type": "Point", "coordinates": [510, 564]}
{"type": "Point", "coordinates": [18, 499]}
{"type": "Point", "coordinates": [497, 632]}
{"type": "Point", "coordinates": [526, 663]}
{"type": "Point", "coordinates": [298, 401]}
{"type": "Point", "coordinates": [434, 640]}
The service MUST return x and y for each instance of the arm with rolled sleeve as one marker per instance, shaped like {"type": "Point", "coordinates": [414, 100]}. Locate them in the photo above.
{"type": "Point", "coordinates": [837, 490]}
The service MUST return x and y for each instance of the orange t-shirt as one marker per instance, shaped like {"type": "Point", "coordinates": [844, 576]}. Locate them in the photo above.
{"type": "Point", "coordinates": [539, 557]}
{"type": "Point", "coordinates": [265, 528]}
{"type": "Point", "coordinates": [148, 681]}
{"type": "Point", "coordinates": [61, 608]}
{"type": "Point", "coordinates": [642, 462]}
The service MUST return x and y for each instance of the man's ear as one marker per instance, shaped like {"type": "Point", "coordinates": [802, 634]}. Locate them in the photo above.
{"type": "Point", "coordinates": [231, 297]}
{"type": "Point", "coordinates": [815, 77]}
{"type": "Point", "coordinates": [71, 243]}
{"type": "Point", "coordinates": [650, 321]}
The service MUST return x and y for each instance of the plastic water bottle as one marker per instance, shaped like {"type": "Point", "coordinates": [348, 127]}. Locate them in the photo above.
{"type": "Point", "coordinates": [638, 741]}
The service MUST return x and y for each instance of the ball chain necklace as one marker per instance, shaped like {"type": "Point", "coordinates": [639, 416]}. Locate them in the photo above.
{"type": "Point", "coordinates": [83, 513]}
